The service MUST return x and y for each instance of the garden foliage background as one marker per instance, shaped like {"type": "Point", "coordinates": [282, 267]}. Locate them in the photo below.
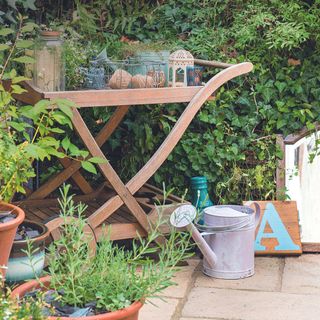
{"type": "Point", "coordinates": [232, 139]}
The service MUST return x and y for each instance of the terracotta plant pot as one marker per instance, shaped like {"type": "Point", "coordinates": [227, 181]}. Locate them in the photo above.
{"type": "Point", "coordinates": [130, 313]}
{"type": "Point", "coordinates": [19, 264]}
{"type": "Point", "coordinates": [8, 232]}
{"type": "Point", "coordinates": [50, 34]}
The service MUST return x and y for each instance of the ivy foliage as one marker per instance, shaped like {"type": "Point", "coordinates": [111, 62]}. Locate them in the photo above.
{"type": "Point", "coordinates": [232, 139]}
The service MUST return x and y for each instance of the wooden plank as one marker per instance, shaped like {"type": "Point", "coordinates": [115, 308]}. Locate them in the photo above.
{"type": "Point", "coordinates": [32, 96]}
{"type": "Point", "coordinates": [311, 247]}
{"type": "Point", "coordinates": [304, 132]}
{"type": "Point", "coordinates": [215, 64]}
{"type": "Point", "coordinates": [31, 216]}
{"type": "Point", "coordinates": [278, 230]}
{"type": "Point", "coordinates": [120, 231]}
{"type": "Point", "coordinates": [53, 202]}
{"type": "Point", "coordinates": [77, 177]}
{"type": "Point", "coordinates": [124, 97]}
{"type": "Point", "coordinates": [280, 171]}
{"type": "Point", "coordinates": [41, 215]}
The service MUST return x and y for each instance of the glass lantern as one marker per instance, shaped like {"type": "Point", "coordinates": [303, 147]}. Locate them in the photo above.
{"type": "Point", "coordinates": [178, 63]}
{"type": "Point", "coordinates": [49, 69]}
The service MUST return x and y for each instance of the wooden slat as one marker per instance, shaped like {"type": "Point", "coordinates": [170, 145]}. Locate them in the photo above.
{"type": "Point", "coordinates": [120, 231]}
{"type": "Point", "coordinates": [124, 97]}
{"type": "Point", "coordinates": [54, 201]}
{"type": "Point", "coordinates": [210, 63]}
{"type": "Point", "coordinates": [304, 132]}
{"type": "Point", "coordinates": [31, 216]}
{"type": "Point", "coordinates": [311, 247]}
{"type": "Point", "coordinates": [280, 171]}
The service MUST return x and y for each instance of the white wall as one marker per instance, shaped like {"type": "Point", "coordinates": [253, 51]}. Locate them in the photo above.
{"type": "Point", "coordinates": [303, 185]}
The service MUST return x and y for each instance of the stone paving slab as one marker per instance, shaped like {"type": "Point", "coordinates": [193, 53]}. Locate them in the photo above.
{"type": "Point", "coordinates": [250, 305]}
{"type": "Point", "coordinates": [183, 280]}
{"type": "Point", "coordinates": [202, 319]}
{"type": "Point", "coordinates": [267, 277]}
{"type": "Point", "coordinates": [302, 275]}
{"type": "Point", "coordinates": [161, 310]}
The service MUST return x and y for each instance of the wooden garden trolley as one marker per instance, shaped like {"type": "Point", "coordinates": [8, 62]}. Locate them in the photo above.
{"type": "Point", "coordinates": [126, 207]}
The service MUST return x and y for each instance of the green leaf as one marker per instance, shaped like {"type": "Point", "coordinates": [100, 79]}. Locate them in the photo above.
{"type": "Point", "coordinates": [40, 106]}
{"type": "Point", "coordinates": [4, 47]}
{"type": "Point", "coordinates": [28, 27]}
{"type": "Point", "coordinates": [17, 89]}
{"type": "Point", "coordinates": [17, 126]}
{"type": "Point", "coordinates": [24, 44]}
{"type": "Point", "coordinates": [66, 110]}
{"type": "Point", "coordinates": [97, 160]}
{"type": "Point", "coordinates": [6, 31]}
{"type": "Point", "coordinates": [19, 79]}
{"type": "Point", "coordinates": [65, 143]}
{"type": "Point", "coordinates": [57, 130]}
{"type": "Point", "coordinates": [88, 167]}
{"type": "Point", "coordinates": [24, 59]}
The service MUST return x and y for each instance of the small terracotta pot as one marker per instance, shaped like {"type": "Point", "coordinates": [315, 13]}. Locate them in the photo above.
{"type": "Point", "coordinates": [130, 313]}
{"type": "Point", "coordinates": [8, 232]}
{"type": "Point", "coordinates": [50, 34]}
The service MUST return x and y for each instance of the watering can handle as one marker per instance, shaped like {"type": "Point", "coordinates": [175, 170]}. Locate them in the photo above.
{"type": "Point", "coordinates": [257, 211]}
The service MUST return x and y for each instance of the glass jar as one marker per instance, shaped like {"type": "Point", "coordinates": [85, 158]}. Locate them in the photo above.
{"type": "Point", "coordinates": [49, 68]}
{"type": "Point", "coordinates": [200, 196]}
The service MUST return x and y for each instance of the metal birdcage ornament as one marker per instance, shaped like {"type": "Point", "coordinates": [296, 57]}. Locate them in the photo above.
{"type": "Point", "coordinates": [178, 63]}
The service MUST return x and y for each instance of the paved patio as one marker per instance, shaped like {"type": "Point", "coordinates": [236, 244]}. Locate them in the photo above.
{"type": "Point", "coordinates": [281, 289]}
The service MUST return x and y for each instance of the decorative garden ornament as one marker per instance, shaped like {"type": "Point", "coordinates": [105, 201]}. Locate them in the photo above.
{"type": "Point", "coordinates": [178, 62]}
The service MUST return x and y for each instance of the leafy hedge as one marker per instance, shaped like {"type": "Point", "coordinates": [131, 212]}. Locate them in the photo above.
{"type": "Point", "coordinates": [232, 139]}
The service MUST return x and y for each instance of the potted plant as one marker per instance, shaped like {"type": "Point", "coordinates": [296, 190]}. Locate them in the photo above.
{"type": "Point", "coordinates": [10, 218]}
{"type": "Point", "coordinates": [27, 133]}
{"type": "Point", "coordinates": [11, 309]}
{"type": "Point", "coordinates": [112, 285]}
{"type": "Point", "coordinates": [27, 255]}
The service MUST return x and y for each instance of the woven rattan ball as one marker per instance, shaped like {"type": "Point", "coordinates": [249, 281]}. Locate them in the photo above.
{"type": "Point", "coordinates": [141, 81]}
{"type": "Point", "coordinates": [120, 79]}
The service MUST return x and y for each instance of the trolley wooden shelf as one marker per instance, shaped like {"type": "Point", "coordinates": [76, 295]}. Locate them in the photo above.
{"type": "Point", "coordinates": [126, 208]}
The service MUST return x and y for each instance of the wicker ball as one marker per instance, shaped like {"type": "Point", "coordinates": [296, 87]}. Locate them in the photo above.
{"type": "Point", "coordinates": [141, 81]}
{"type": "Point", "coordinates": [120, 79]}
{"type": "Point", "coordinates": [158, 77]}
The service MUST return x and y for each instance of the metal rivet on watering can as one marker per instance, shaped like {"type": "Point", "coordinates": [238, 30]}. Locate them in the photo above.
{"type": "Point", "coordinates": [200, 196]}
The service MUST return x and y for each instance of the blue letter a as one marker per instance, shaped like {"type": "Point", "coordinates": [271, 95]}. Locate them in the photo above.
{"type": "Point", "coordinates": [279, 231]}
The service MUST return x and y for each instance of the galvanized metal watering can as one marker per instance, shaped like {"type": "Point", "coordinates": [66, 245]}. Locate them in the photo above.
{"type": "Point", "coordinates": [226, 238]}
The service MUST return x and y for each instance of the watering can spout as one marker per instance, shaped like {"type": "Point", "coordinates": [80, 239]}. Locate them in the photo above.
{"type": "Point", "coordinates": [203, 246]}
{"type": "Point", "coordinates": [182, 217]}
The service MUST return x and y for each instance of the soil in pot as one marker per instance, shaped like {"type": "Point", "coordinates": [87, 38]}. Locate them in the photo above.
{"type": "Point", "coordinates": [10, 217]}
{"type": "Point", "coordinates": [88, 312]}
{"type": "Point", "coordinates": [20, 267]}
